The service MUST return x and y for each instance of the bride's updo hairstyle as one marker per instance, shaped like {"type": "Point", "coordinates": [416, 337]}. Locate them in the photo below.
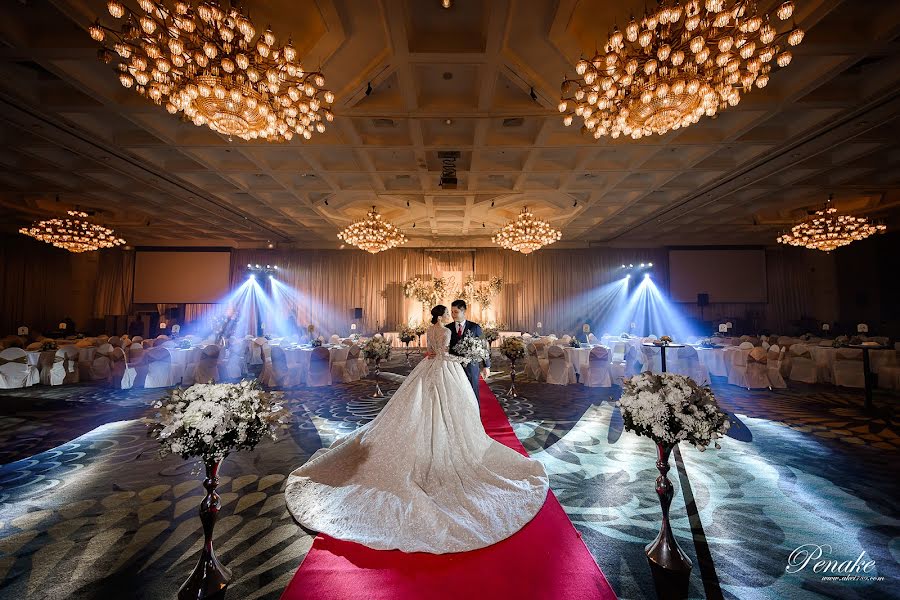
{"type": "Point", "coordinates": [437, 312]}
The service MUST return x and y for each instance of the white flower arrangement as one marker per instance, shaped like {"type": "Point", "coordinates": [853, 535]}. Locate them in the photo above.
{"type": "Point", "coordinates": [471, 349]}
{"type": "Point", "coordinates": [377, 348]}
{"type": "Point", "coordinates": [210, 420]}
{"type": "Point", "coordinates": [513, 348]}
{"type": "Point", "coordinates": [670, 408]}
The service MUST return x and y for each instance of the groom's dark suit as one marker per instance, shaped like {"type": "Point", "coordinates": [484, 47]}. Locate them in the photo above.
{"type": "Point", "coordinates": [473, 329]}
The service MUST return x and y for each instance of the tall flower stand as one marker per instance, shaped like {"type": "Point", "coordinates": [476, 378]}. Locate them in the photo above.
{"type": "Point", "coordinates": [378, 393]}
{"type": "Point", "coordinates": [210, 577]}
{"type": "Point", "coordinates": [512, 392]}
{"type": "Point", "coordinates": [664, 551]}
{"type": "Point", "coordinates": [406, 343]}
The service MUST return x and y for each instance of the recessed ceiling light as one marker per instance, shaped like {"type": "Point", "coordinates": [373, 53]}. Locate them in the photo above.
{"type": "Point", "coordinates": [448, 75]}
{"type": "Point", "coordinates": [446, 3]}
{"type": "Point", "coordinates": [448, 122]}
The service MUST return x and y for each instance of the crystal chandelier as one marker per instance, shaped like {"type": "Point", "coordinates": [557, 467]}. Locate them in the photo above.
{"type": "Point", "coordinates": [208, 63]}
{"type": "Point", "coordinates": [373, 234]}
{"type": "Point", "coordinates": [826, 230]}
{"type": "Point", "coordinates": [680, 62]}
{"type": "Point", "coordinates": [73, 234]}
{"type": "Point", "coordinates": [526, 234]}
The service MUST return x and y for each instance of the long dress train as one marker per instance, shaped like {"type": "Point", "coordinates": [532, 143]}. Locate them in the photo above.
{"type": "Point", "coordinates": [423, 476]}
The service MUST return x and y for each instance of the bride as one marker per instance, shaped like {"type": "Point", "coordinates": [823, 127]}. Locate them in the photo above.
{"type": "Point", "coordinates": [423, 476]}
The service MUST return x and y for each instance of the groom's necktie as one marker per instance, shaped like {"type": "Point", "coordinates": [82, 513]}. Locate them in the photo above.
{"type": "Point", "coordinates": [459, 329]}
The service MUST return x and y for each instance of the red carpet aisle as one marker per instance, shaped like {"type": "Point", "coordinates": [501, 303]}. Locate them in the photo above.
{"type": "Point", "coordinates": [544, 560]}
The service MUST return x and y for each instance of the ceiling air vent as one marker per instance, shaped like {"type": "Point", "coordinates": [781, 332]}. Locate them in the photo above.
{"type": "Point", "coordinates": [513, 122]}
{"type": "Point", "coordinates": [448, 169]}
{"type": "Point", "coordinates": [383, 122]}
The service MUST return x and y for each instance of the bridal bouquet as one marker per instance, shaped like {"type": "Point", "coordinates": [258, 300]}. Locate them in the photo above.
{"type": "Point", "coordinates": [209, 420]}
{"type": "Point", "coordinates": [670, 408]}
{"type": "Point", "coordinates": [471, 349]}
{"type": "Point", "coordinates": [377, 348]}
{"type": "Point", "coordinates": [513, 348]}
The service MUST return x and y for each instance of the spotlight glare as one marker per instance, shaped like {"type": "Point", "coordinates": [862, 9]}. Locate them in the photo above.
{"type": "Point", "coordinates": [642, 265]}
{"type": "Point", "coordinates": [252, 276]}
{"type": "Point", "coordinates": [646, 275]}
{"type": "Point", "coordinates": [630, 265]}
{"type": "Point", "coordinates": [649, 264]}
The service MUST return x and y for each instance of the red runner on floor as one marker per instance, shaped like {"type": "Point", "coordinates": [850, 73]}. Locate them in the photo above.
{"type": "Point", "coordinates": [546, 559]}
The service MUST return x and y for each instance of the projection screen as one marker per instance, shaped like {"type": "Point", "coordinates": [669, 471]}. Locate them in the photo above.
{"type": "Point", "coordinates": [726, 275]}
{"type": "Point", "coordinates": [181, 277]}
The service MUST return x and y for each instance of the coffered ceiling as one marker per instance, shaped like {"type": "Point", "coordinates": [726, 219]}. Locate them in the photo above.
{"type": "Point", "coordinates": [457, 79]}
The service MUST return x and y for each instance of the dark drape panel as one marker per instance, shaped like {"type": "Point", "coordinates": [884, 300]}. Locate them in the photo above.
{"type": "Point", "coordinates": [115, 283]}
{"type": "Point", "coordinates": [35, 284]}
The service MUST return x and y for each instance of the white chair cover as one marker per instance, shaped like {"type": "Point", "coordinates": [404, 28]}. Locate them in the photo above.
{"type": "Point", "coordinates": [559, 369]}
{"type": "Point", "coordinates": [118, 367]}
{"type": "Point", "coordinates": [848, 368]}
{"type": "Point", "coordinates": [15, 371]}
{"type": "Point", "coordinates": [275, 369]}
{"type": "Point", "coordinates": [115, 341]}
{"type": "Point", "coordinates": [206, 370]}
{"type": "Point", "coordinates": [256, 351]}
{"type": "Point", "coordinates": [598, 372]}
{"type": "Point", "coordinates": [757, 369]}
{"type": "Point", "coordinates": [535, 366]}
{"type": "Point", "coordinates": [238, 354]}
{"type": "Point", "coordinates": [592, 339]}
{"type": "Point", "coordinates": [803, 368]}
{"type": "Point", "coordinates": [334, 340]}
{"type": "Point", "coordinates": [355, 366]}
{"type": "Point", "coordinates": [687, 362]}
{"type": "Point", "coordinates": [773, 367]}
{"type": "Point", "coordinates": [618, 352]}
{"type": "Point", "coordinates": [737, 371]}
{"type": "Point", "coordinates": [339, 363]}
{"type": "Point", "coordinates": [65, 366]}
{"type": "Point", "coordinates": [319, 368]}
{"type": "Point", "coordinates": [136, 371]}
{"type": "Point", "coordinates": [745, 345]}
{"type": "Point", "coordinates": [159, 368]}
{"type": "Point", "coordinates": [651, 359]}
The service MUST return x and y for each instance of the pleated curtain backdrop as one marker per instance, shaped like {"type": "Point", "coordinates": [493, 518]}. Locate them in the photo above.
{"type": "Point", "coordinates": [115, 283]}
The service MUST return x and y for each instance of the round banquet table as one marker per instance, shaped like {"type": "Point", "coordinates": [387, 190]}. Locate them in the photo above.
{"type": "Point", "coordinates": [298, 358]}
{"type": "Point", "coordinates": [714, 359]}
{"type": "Point", "coordinates": [867, 371]}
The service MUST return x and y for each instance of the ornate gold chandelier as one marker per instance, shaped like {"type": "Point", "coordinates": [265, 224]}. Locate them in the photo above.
{"type": "Point", "coordinates": [73, 234]}
{"type": "Point", "coordinates": [526, 234]}
{"type": "Point", "coordinates": [208, 63]}
{"type": "Point", "coordinates": [680, 62]}
{"type": "Point", "coordinates": [373, 234]}
{"type": "Point", "coordinates": [826, 230]}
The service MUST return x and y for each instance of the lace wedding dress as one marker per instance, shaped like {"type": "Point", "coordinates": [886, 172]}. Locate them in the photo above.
{"type": "Point", "coordinates": [423, 476]}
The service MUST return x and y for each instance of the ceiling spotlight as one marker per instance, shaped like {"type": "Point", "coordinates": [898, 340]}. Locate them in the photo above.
{"type": "Point", "coordinates": [448, 122]}
{"type": "Point", "coordinates": [623, 266]}
{"type": "Point", "coordinates": [249, 265]}
{"type": "Point", "coordinates": [649, 264]}
{"type": "Point", "coordinates": [533, 95]}
{"type": "Point", "coordinates": [630, 265]}
{"type": "Point", "coordinates": [642, 265]}
{"type": "Point", "coordinates": [270, 245]}
{"type": "Point", "coordinates": [446, 3]}
{"type": "Point", "coordinates": [369, 89]}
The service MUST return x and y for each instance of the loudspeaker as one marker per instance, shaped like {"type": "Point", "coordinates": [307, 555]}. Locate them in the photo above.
{"type": "Point", "coordinates": [357, 313]}
{"type": "Point", "coordinates": [702, 299]}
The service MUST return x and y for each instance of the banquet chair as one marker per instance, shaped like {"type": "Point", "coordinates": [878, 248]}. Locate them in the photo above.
{"type": "Point", "coordinates": [159, 368]}
{"type": "Point", "coordinates": [535, 366]}
{"type": "Point", "coordinates": [773, 367]}
{"type": "Point", "coordinates": [598, 372]}
{"type": "Point", "coordinates": [275, 369]}
{"type": "Point", "coordinates": [824, 372]}
{"type": "Point", "coordinates": [618, 352]}
{"type": "Point", "coordinates": [101, 364]}
{"type": "Point", "coordinates": [15, 371]}
{"type": "Point", "coordinates": [737, 371]}
{"type": "Point", "coordinates": [256, 351]}
{"type": "Point", "coordinates": [206, 369]}
{"type": "Point", "coordinates": [355, 368]}
{"type": "Point", "coordinates": [118, 365]}
{"type": "Point", "coordinates": [566, 339]}
{"type": "Point", "coordinates": [65, 367]}
{"type": "Point", "coordinates": [147, 344]}
{"type": "Point", "coordinates": [848, 368]}
{"type": "Point", "coordinates": [334, 340]}
{"type": "Point", "coordinates": [541, 349]}
{"type": "Point", "coordinates": [136, 369]}
{"type": "Point", "coordinates": [339, 363]}
{"type": "Point", "coordinates": [746, 345]}
{"type": "Point", "coordinates": [237, 354]}
{"type": "Point", "coordinates": [629, 366]}
{"type": "Point", "coordinates": [650, 359]}
{"type": "Point", "coordinates": [803, 367]}
{"type": "Point", "coordinates": [319, 368]}
{"type": "Point", "coordinates": [34, 346]}
{"type": "Point", "coordinates": [559, 369]}
{"type": "Point", "coordinates": [687, 363]}
{"type": "Point", "coordinates": [758, 369]}
{"type": "Point", "coordinates": [115, 341]}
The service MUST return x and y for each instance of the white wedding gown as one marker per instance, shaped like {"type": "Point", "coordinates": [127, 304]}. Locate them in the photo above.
{"type": "Point", "coordinates": [423, 476]}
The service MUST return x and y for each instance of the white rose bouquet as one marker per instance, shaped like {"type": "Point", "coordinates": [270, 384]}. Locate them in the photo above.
{"type": "Point", "coordinates": [210, 420]}
{"type": "Point", "coordinates": [471, 349]}
{"type": "Point", "coordinates": [670, 408]}
{"type": "Point", "coordinates": [377, 348]}
{"type": "Point", "coordinates": [513, 348]}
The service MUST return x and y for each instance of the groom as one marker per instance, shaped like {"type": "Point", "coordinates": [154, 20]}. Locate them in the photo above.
{"type": "Point", "coordinates": [459, 328]}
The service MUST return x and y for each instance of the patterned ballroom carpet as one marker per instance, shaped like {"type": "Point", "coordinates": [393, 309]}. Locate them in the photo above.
{"type": "Point", "coordinates": [88, 510]}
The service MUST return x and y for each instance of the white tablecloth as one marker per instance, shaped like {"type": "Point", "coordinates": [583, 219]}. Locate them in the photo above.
{"type": "Point", "coordinates": [298, 358]}
{"type": "Point", "coordinates": [578, 357]}
{"type": "Point", "coordinates": [718, 360]}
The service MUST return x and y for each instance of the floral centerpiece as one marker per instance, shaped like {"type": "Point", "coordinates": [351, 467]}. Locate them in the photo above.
{"type": "Point", "coordinates": [317, 343]}
{"type": "Point", "coordinates": [669, 409]}
{"type": "Point", "coordinates": [841, 341]}
{"type": "Point", "coordinates": [664, 340]}
{"type": "Point", "coordinates": [491, 335]}
{"type": "Point", "coordinates": [208, 421]}
{"type": "Point", "coordinates": [513, 348]}
{"type": "Point", "coordinates": [377, 349]}
{"type": "Point", "coordinates": [471, 349]}
{"type": "Point", "coordinates": [48, 345]}
{"type": "Point", "coordinates": [574, 343]}
{"type": "Point", "coordinates": [625, 336]}
{"type": "Point", "coordinates": [707, 343]}
{"type": "Point", "coordinates": [184, 344]}
{"type": "Point", "coordinates": [407, 334]}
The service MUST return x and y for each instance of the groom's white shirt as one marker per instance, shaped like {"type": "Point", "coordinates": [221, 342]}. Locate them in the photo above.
{"type": "Point", "coordinates": [460, 327]}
